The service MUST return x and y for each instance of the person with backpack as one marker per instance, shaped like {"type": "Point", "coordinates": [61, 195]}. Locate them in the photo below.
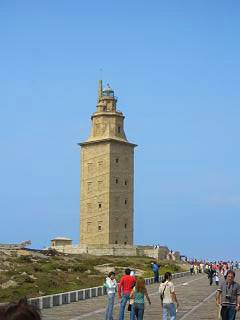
{"type": "Point", "coordinates": [156, 272]}
{"type": "Point", "coordinates": [111, 285]}
{"type": "Point", "coordinates": [168, 298]}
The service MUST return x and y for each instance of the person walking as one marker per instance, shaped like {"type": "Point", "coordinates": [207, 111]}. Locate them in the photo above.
{"type": "Point", "coordinates": [195, 269]}
{"type": "Point", "coordinates": [138, 293]}
{"type": "Point", "coordinates": [191, 269]}
{"type": "Point", "coordinates": [168, 298]}
{"type": "Point", "coordinates": [206, 268]}
{"type": "Point", "coordinates": [156, 272]}
{"type": "Point", "coordinates": [124, 289]}
{"type": "Point", "coordinates": [228, 297]}
{"type": "Point", "coordinates": [111, 285]}
{"type": "Point", "coordinates": [216, 278]}
{"type": "Point", "coordinates": [225, 272]}
{"type": "Point", "coordinates": [131, 301]}
{"type": "Point", "coordinates": [211, 274]}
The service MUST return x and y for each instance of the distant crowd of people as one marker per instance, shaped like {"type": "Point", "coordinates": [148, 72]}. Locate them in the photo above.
{"type": "Point", "coordinates": [213, 269]}
{"type": "Point", "coordinates": [132, 292]}
{"type": "Point", "coordinates": [220, 266]}
{"type": "Point", "coordinates": [228, 294]}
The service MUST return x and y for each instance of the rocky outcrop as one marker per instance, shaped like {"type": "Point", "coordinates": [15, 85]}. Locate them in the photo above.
{"type": "Point", "coordinates": [8, 284]}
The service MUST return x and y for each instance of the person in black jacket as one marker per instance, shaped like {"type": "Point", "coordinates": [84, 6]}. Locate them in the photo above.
{"type": "Point", "coordinates": [211, 274]}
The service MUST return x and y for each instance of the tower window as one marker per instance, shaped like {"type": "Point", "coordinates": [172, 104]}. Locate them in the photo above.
{"type": "Point", "coordinates": [99, 205]}
{"type": "Point", "coordinates": [125, 201]}
{"type": "Point", "coordinates": [104, 108]}
{"type": "Point", "coordinates": [100, 185]}
{"type": "Point", "coordinates": [89, 186]}
{"type": "Point", "coordinates": [116, 180]}
{"type": "Point", "coordinates": [89, 207]}
{"type": "Point", "coordinates": [126, 182]}
{"type": "Point", "coordinates": [119, 129]}
{"type": "Point", "coordinates": [125, 242]}
{"type": "Point", "coordinates": [97, 128]}
{"type": "Point", "coordinates": [116, 242]}
{"type": "Point", "coordinates": [100, 165]}
{"type": "Point", "coordinates": [117, 160]}
{"type": "Point", "coordinates": [89, 167]}
{"type": "Point", "coordinates": [89, 226]}
{"type": "Point", "coordinates": [99, 225]}
{"type": "Point", "coordinates": [125, 226]}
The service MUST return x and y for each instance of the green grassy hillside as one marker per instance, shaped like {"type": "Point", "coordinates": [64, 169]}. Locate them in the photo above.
{"type": "Point", "coordinates": [31, 274]}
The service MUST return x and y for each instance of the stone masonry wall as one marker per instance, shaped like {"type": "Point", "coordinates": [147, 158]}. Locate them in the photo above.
{"type": "Point", "coordinates": [116, 250]}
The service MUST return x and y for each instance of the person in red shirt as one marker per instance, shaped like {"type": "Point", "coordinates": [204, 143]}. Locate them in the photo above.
{"type": "Point", "coordinates": [125, 287]}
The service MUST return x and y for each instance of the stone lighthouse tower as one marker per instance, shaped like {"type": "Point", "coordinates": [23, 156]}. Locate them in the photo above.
{"type": "Point", "coordinates": [107, 173]}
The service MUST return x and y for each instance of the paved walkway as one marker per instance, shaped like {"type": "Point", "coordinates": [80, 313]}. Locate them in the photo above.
{"type": "Point", "coordinates": [196, 299]}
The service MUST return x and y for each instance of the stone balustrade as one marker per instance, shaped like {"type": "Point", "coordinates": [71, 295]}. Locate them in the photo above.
{"type": "Point", "coordinates": [59, 299]}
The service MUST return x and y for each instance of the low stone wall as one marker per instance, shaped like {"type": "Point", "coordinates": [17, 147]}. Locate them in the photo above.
{"type": "Point", "coordinates": [99, 250]}
{"type": "Point", "coordinates": [156, 253]}
{"type": "Point", "coordinates": [116, 250]}
{"type": "Point", "coordinates": [59, 299]}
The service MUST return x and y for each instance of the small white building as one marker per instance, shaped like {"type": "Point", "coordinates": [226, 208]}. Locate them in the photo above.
{"type": "Point", "coordinates": [60, 241]}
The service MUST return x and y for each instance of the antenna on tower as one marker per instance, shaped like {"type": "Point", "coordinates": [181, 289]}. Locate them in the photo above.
{"type": "Point", "coordinates": [99, 86]}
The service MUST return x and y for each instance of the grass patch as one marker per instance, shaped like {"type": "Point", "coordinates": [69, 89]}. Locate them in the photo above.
{"type": "Point", "coordinates": [37, 276]}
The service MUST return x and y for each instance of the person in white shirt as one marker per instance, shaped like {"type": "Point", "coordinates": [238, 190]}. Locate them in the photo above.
{"type": "Point", "coordinates": [111, 285]}
{"type": "Point", "coordinates": [168, 298]}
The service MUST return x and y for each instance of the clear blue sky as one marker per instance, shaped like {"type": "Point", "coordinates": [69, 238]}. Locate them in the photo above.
{"type": "Point", "coordinates": [174, 66]}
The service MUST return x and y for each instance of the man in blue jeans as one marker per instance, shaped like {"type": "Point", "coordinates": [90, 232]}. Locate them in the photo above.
{"type": "Point", "coordinates": [124, 289]}
{"type": "Point", "coordinates": [228, 296]}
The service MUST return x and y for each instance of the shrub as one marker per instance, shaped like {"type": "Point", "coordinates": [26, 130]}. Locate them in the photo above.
{"type": "Point", "coordinates": [79, 268]}
{"type": "Point", "coordinates": [24, 259]}
{"type": "Point", "coordinates": [38, 269]}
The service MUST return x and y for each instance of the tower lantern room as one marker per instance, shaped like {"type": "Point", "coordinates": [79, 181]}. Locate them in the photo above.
{"type": "Point", "coordinates": [106, 99]}
{"type": "Point", "coordinates": [108, 91]}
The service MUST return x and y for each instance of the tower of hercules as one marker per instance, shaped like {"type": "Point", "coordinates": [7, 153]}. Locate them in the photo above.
{"type": "Point", "coordinates": [107, 172]}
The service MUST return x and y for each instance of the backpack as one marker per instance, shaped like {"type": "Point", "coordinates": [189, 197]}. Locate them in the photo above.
{"type": "Point", "coordinates": [162, 294]}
